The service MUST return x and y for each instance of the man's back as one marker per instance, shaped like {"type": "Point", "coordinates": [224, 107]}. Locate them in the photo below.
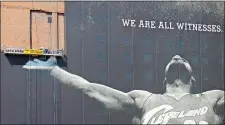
{"type": "Point", "coordinates": [189, 109]}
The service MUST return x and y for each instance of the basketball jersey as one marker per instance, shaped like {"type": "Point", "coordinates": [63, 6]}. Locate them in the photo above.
{"type": "Point", "coordinates": [189, 109]}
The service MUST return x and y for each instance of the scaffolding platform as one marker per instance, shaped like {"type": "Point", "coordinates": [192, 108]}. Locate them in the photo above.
{"type": "Point", "coordinates": [33, 52]}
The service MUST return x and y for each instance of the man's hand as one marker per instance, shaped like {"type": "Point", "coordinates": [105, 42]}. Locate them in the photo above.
{"type": "Point", "coordinates": [37, 64]}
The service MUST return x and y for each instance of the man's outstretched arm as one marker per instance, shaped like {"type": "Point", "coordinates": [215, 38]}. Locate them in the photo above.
{"type": "Point", "coordinates": [109, 97]}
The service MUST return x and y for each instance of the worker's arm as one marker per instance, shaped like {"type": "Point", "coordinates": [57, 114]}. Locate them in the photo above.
{"type": "Point", "coordinates": [216, 98]}
{"type": "Point", "coordinates": [109, 97]}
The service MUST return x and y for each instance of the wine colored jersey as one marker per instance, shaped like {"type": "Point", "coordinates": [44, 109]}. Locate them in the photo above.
{"type": "Point", "coordinates": [189, 109]}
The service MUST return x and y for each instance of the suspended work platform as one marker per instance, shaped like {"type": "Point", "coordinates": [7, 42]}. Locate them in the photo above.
{"type": "Point", "coordinates": [33, 52]}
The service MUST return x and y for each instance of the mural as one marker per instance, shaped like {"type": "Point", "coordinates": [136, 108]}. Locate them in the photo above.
{"type": "Point", "coordinates": [131, 62]}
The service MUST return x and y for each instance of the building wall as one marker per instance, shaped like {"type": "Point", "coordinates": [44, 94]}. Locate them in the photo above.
{"type": "Point", "coordinates": [101, 50]}
{"type": "Point", "coordinates": [29, 97]}
{"type": "Point", "coordinates": [26, 24]}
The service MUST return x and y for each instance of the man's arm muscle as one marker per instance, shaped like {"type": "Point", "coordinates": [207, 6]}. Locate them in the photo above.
{"type": "Point", "coordinates": [109, 97]}
{"type": "Point", "coordinates": [139, 97]}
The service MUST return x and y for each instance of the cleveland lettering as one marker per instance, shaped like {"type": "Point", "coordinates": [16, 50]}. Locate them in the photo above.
{"type": "Point", "coordinates": [168, 114]}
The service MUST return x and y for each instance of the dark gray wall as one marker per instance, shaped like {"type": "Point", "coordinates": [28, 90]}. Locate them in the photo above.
{"type": "Point", "coordinates": [101, 50]}
{"type": "Point", "coordinates": [28, 96]}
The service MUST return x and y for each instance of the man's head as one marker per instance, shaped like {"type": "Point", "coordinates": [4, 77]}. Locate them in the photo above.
{"type": "Point", "coordinates": [178, 70]}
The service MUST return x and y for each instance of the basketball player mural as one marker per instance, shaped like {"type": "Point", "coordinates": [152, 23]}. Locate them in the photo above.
{"type": "Point", "coordinates": [176, 106]}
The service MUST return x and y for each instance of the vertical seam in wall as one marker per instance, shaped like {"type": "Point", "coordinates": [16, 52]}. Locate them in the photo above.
{"type": "Point", "coordinates": [132, 42]}
{"type": "Point", "coordinates": [29, 112]}
{"type": "Point", "coordinates": [82, 60]}
{"type": "Point", "coordinates": [36, 85]}
{"type": "Point", "coordinates": [132, 45]}
{"type": "Point", "coordinates": [178, 42]}
{"type": "Point", "coordinates": [156, 49]}
{"type": "Point", "coordinates": [108, 48]}
{"type": "Point", "coordinates": [223, 45]}
{"type": "Point", "coordinates": [40, 87]}
{"type": "Point", "coordinates": [200, 54]}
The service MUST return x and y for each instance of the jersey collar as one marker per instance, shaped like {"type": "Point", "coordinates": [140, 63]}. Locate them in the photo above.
{"type": "Point", "coordinates": [175, 96]}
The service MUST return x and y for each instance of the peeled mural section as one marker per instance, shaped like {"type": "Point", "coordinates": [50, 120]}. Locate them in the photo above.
{"type": "Point", "coordinates": [128, 57]}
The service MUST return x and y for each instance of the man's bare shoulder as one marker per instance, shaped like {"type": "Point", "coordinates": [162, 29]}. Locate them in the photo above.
{"type": "Point", "coordinates": [139, 96]}
{"type": "Point", "coordinates": [214, 93]}
{"type": "Point", "coordinates": [138, 93]}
